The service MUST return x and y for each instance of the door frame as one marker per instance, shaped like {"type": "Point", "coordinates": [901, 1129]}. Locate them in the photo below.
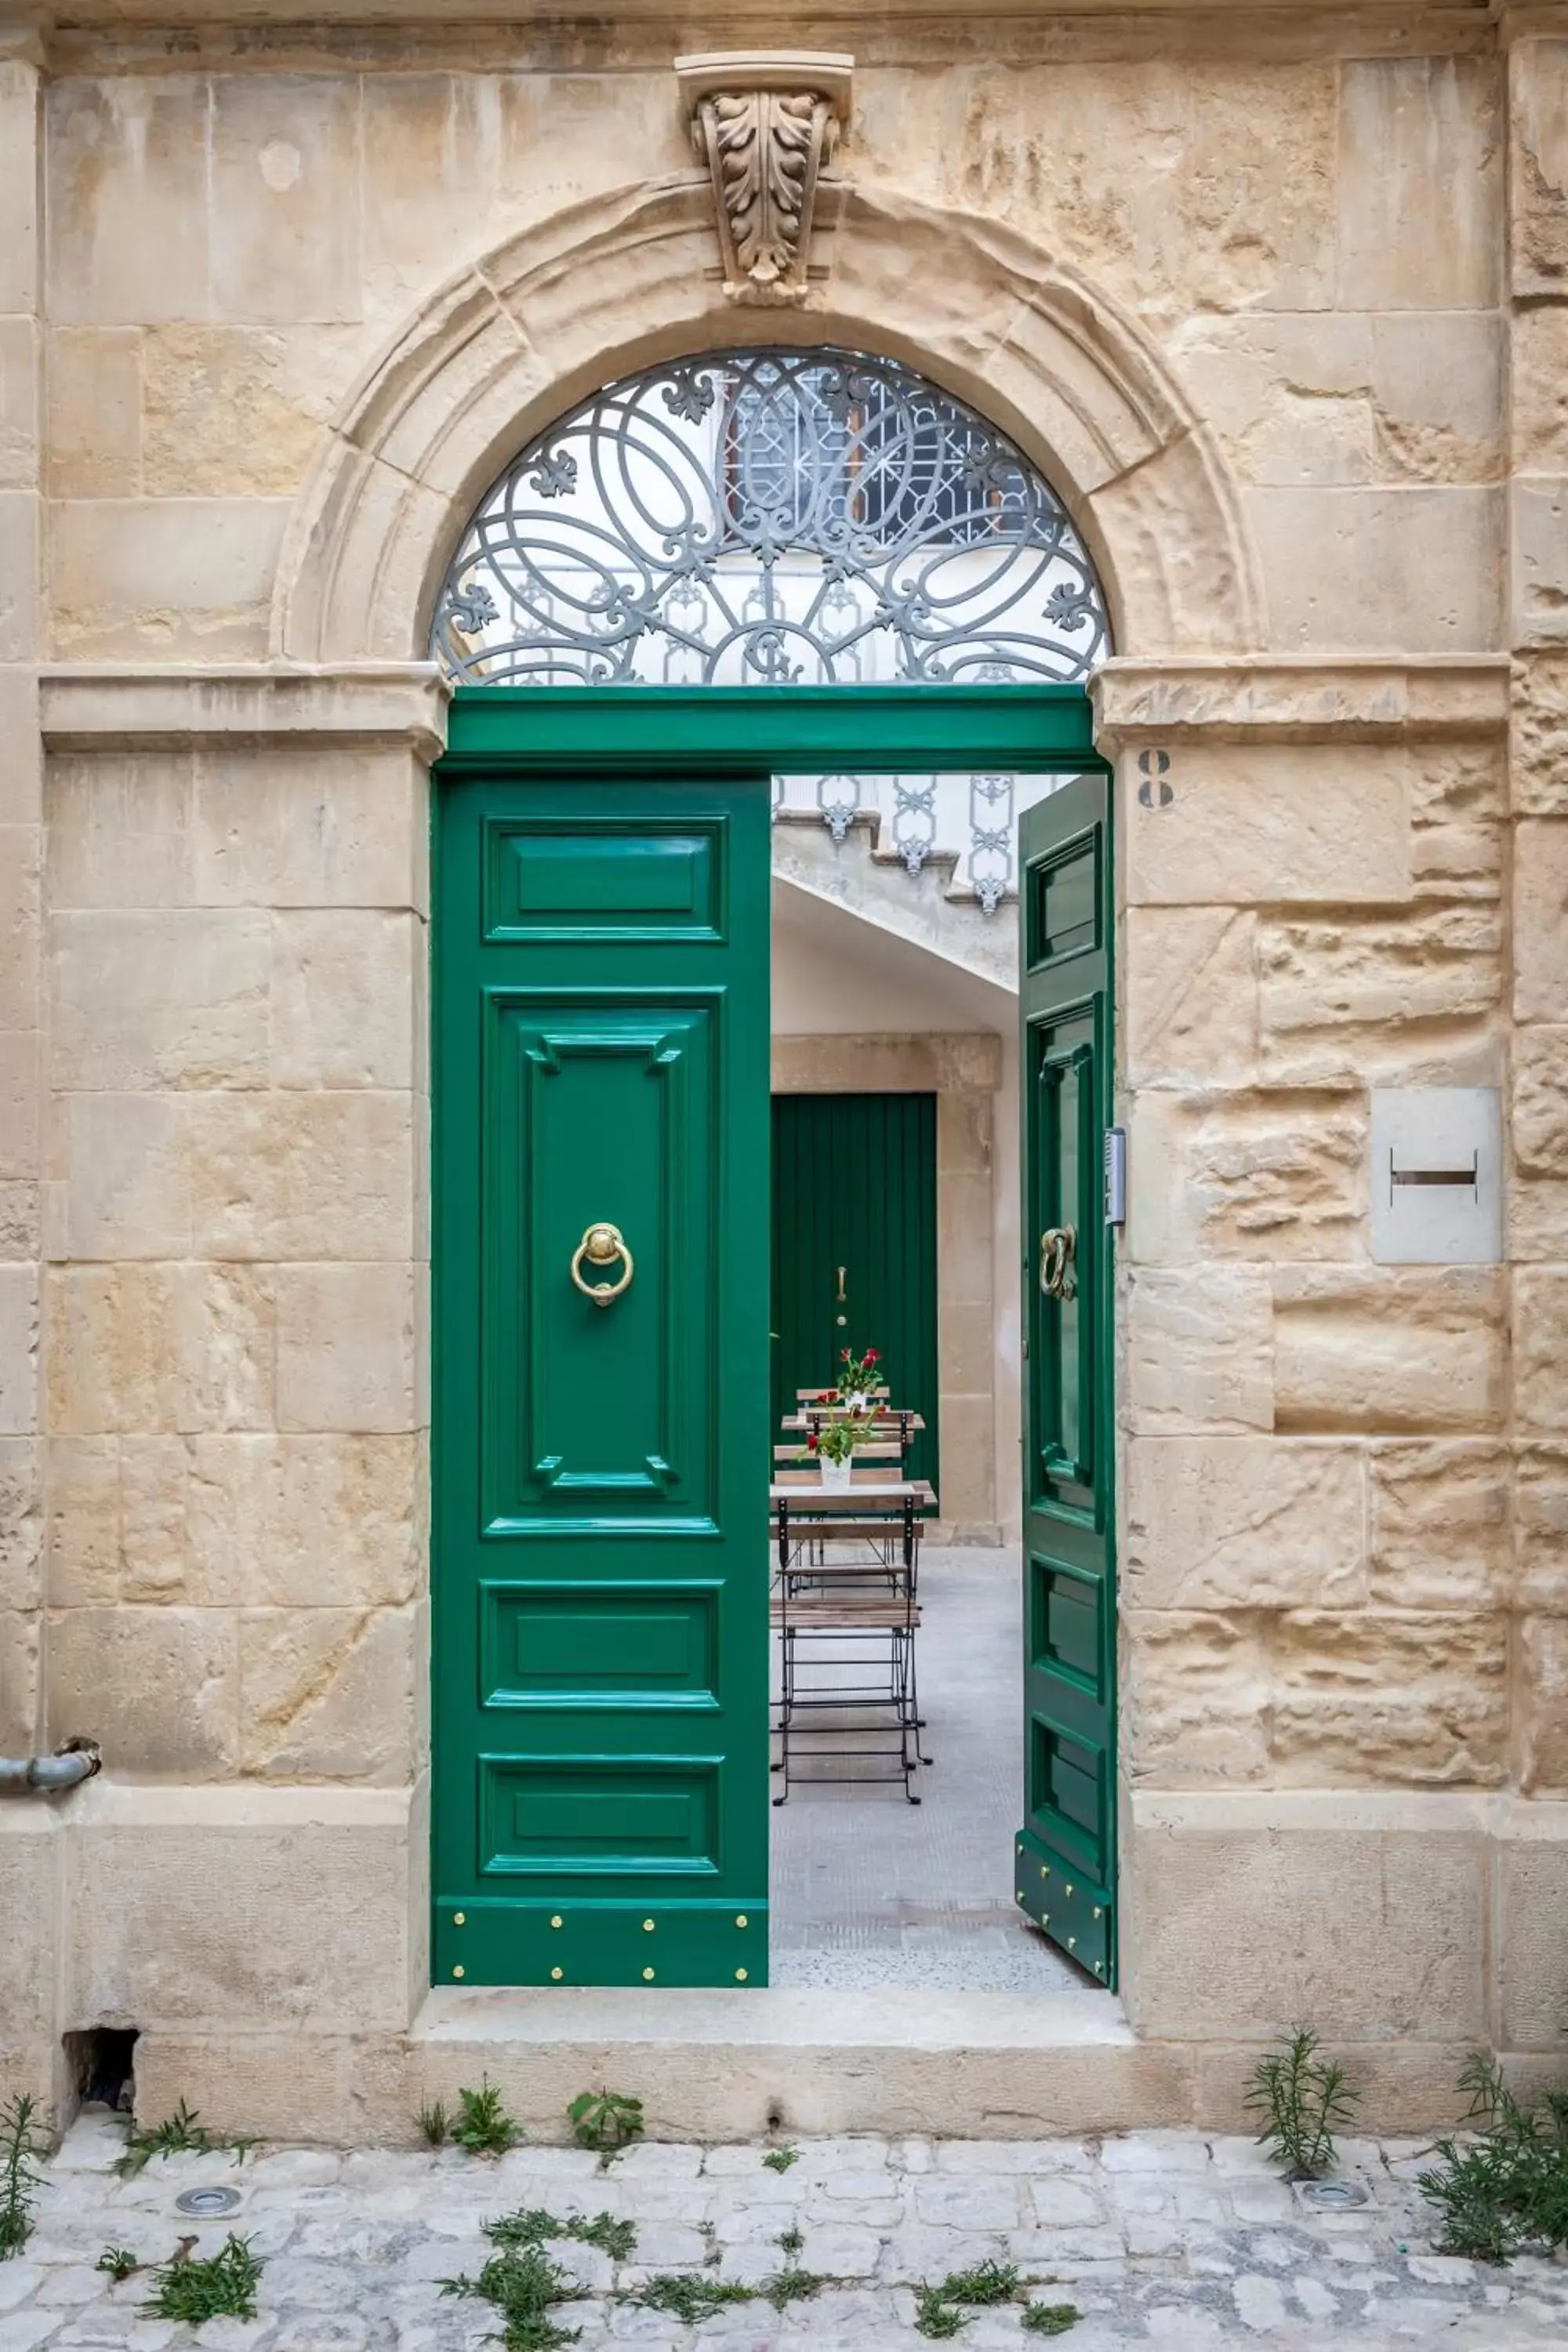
{"type": "Point", "coordinates": [738, 732]}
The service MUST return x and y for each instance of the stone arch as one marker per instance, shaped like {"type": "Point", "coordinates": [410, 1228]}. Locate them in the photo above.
{"type": "Point", "coordinates": [610, 286]}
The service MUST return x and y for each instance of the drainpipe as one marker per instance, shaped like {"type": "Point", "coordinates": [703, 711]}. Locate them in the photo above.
{"type": "Point", "coordinates": [76, 1761]}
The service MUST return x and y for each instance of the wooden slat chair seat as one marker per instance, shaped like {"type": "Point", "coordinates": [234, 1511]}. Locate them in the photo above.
{"type": "Point", "coordinates": [832, 1612]}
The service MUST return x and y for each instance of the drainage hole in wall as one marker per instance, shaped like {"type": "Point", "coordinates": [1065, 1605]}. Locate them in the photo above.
{"type": "Point", "coordinates": [103, 2065]}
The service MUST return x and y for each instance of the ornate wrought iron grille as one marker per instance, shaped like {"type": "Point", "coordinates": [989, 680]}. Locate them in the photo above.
{"type": "Point", "coordinates": [769, 518]}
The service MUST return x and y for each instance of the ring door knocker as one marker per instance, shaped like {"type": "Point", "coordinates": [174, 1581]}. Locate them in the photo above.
{"type": "Point", "coordinates": [601, 1246]}
{"type": "Point", "coordinates": [1058, 1246]}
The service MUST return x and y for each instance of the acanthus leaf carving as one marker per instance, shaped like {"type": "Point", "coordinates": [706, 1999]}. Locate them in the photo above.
{"type": "Point", "coordinates": [765, 125]}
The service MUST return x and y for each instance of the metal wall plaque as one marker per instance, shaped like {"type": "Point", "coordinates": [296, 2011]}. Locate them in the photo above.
{"type": "Point", "coordinates": [1436, 1175]}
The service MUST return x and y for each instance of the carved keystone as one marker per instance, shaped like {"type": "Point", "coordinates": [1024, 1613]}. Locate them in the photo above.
{"type": "Point", "coordinates": [765, 122]}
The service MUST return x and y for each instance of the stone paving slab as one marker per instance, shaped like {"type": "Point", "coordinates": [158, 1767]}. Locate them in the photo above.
{"type": "Point", "coordinates": [1163, 2239]}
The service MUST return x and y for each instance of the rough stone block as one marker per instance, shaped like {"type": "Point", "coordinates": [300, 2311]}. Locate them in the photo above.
{"type": "Point", "coordinates": [1540, 921]}
{"type": "Point", "coordinates": [333, 1521]}
{"type": "Point", "coordinates": [1539, 729]}
{"type": "Point", "coordinates": [1538, 532]}
{"type": "Point", "coordinates": [1391, 1349]}
{"type": "Point", "coordinates": [1405, 2086]}
{"type": "Point", "coordinates": [242, 1910]}
{"type": "Point", "coordinates": [330, 1694]}
{"type": "Point", "coordinates": [346, 1342]}
{"type": "Point", "coordinates": [21, 1523]}
{"type": "Point", "coordinates": [1252, 1910]}
{"type": "Point", "coordinates": [160, 1000]}
{"type": "Point", "coordinates": [1541, 1530]}
{"type": "Point", "coordinates": [157, 1688]}
{"type": "Point", "coordinates": [229, 412]}
{"type": "Point", "coordinates": [1543, 1705]}
{"type": "Point", "coordinates": [314, 829]}
{"type": "Point", "coordinates": [21, 541]}
{"type": "Point", "coordinates": [1246, 1175]}
{"type": "Point", "coordinates": [94, 448]}
{"type": "Point", "coordinates": [1283, 817]}
{"type": "Point", "coordinates": [1532, 1867]}
{"type": "Point", "coordinates": [1420, 139]}
{"type": "Point", "coordinates": [1222, 1523]}
{"type": "Point", "coordinates": [1538, 165]}
{"type": "Point", "coordinates": [1436, 587]}
{"type": "Point", "coordinates": [21, 1219]}
{"type": "Point", "coordinates": [160, 1348]}
{"type": "Point", "coordinates": [1374, 1697]}
{"type": "Point", "coordinates": [18, 1350]}
{"type": "Point", "coordinates": [1200, 1348]}
{"type": "Point", "coordinates": [1541, 1360]}
{"type": "Point", "coordinates": [1538, 353]}
{"type": "Point", "coordinates": [1348, 998]}
{"type": "Point", "coordinates": [1196, 1708]}
{"type": "Point", "coordinates": [348, 999]}
{"type": "Point", "coordinates": [1192, 996]}
{"type": "Point", "coordinates": [1440, 1535]}
{"type": "Point", "coordinates": [1540, 1107]}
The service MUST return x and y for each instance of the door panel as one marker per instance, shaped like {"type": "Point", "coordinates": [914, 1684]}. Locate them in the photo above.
{"type": "Point", "coordinates": [602, 1561]}
{"type": "Point", "coordinates": [855, 1248]}
{"type": "Point", "coordinates": [1066, 1848]}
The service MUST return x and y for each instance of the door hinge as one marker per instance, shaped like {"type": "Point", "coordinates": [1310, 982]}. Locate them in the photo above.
{"type": "Point", "coordinates": [1116, 1175]}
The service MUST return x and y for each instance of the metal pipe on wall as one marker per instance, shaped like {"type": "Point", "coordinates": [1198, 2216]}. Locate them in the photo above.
{"type": "Point", "coordinates": [22, 1776]}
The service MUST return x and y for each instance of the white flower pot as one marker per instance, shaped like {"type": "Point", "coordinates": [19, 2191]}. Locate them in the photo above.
{"type": "Point", "coordinates": [835, 1475]}
{"type": "Point", "coordinates": [855, 1400]}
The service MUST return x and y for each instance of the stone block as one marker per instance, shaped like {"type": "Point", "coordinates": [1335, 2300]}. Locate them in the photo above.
{"type": "Point", "coordinates": [1531, 1870]}
{"type": "Point", "coordinates": [1420, 140]}
{"type": "Point", "coordinates": [238, 411]}
{"type": "Point", "coordinates": [1540, 1529]}
{"type": "Point", "coordinates": [1372, 1697]}
{"type": "Point", "coordinates": [301, 1175]}
{"type": "Point", "coordinates": [21, 538]}
{"type": "Point", "coordinates": [1405, 2086]}
{"type": "Point", "coordinates": [1538, 353]}
{"type": "Point", "coordinates": [284, 159]}
{"type": "Point", "coordinates": [1258, 1175]}
{"type": "Point", "coordinates": [1539, 732]}
{"type": "Point", "coordinates": [1440, 1534]}
{"type": "Point", "coordinates": [1390, 1349]}
{"type": "Point", "coordinates": [1543, 1705]}
{"type": "Point", "coordinates": [241, 1910]}
{"type": "Point", "coordinates": [312, 2089]}
{"type": "Point", "coordinates": [160, 1348]}
{"type": "Point", "coordinates": [1540, 1109]}
{"type": "Point", "coordinates": [94, 446]}
{"type": "Point", "coordinates": [29, 1858]}
{"type": "Point", "coordinates": [22, 769]}
{"type": "Point", "coordinates": [121, 830]}
{"type": "Point", "coordinates": [1538, 165]}
{"type": "Point", "coordinates": [311, 829]}
{"type": "Point", "coordinates": [1200, 1348]}
{"type": "Point", "coordinates": [18, 1350]}
{"type": "Point", "coordinates": [161, 1001]}
{"type": "Point", "coordinates": [330, 1694]}
{"type": "Point", "coordinates": [1540, 921]}
{"type": "Point", "coordinates": [311, 1522]}
{"type": "Point", "coordinates": [1254, 823]}
{"type": "Point", "coordinates": [1537, 1221]}
{"type": "Point", "coordinates": [1345, 998]}
{"type": "Point", "coordinates": [186, 579]}
{"type": "Point", "coordinates": [125, 1175]}
{"type": "Point", "coordinates": [21, 1095]}
{"type": "Point", "coordinates": [346, 1342]}
{"type": "Point", "coordinates": [157, 1688]}
{"type": "Point", "coordinates": [21, 1523]}
{"type": "Point", "coordinates": [1195, 1700]}
{"type": "Point", "coordinates": [21, 904]}
{"type": "Point", "coordinates": [1540, 1360]}
{"type": "Point", "coordinates": [20, 140]}
{"type": "Point", "coordinates": [1538, 533]}
{"type": "Point", "coordinates": [1254, 1909]}
{"type": "Point", "coordinates": [348, 999]}
{"type": "Point", "coordinates": [1190, 1015]}
{"type": "Point", "coordinates": [1436, 587]}
{"type": "Point", "coordinates": [21, 1218]}
{"type": "Point", "coordinates": [1221, 1523]}
{"type": "Point", "coordinates": [19, 1681]}
{"type": "Point", "coordinates": [20, 346]}
{"type": "Point", "coordinates": [127, 201]}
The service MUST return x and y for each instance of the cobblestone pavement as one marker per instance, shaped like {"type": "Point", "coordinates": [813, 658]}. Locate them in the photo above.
{"type": "Point", "coordinates": [1162, 2238]}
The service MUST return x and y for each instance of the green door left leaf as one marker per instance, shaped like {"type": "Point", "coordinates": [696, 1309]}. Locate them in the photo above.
{"type": "Point", "coordinates": [601, 1439]}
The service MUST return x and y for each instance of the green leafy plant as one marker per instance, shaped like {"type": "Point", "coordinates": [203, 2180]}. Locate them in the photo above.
{"type": "Point", "coordinates": [119, 2262]}
{"type": "Point", "coordinates": [1508, 2186]}
{"type": "Point", "coordinates": [483, 2126]}
{"type": "Point", "coordinates": [531, 2225]}
{"type": "Point", "coordinates": [789, 2243]}
{"type": "Point", "coordinates": [859, 1373]}
{"type": "Point", "coordinates": [223, 2287]}
{"type": "Point", "coordinates": [1305, 2100]}
{"type": "Point", "coordinates": [606, 2120]}
{"type": "Point", "coordinates": [21, 2145]}
{"type": "Point", "coordinates": [936, 2317]}
{"type": "Point", "coordinates": [524, 2285]}
{"type": "Point", "coordinates": [834, 1439]}
{"type": "Point", "coordinates": [791, 2285]}
{"type": "Point", "coordinates": [435, 2124]}
{"type": "Point", "coordinates": [181, 2134]}
{"type": "Point", "coordinates": [690, 2299]}
{"type": "Point", "coordinates": [779, 2159]}
{"type": "Point", "coordinates": [988, 2282]}
{"type": "Point", "coordinates": [1049, 2318]}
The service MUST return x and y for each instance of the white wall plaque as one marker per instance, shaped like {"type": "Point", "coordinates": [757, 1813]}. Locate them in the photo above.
{"type": "Point", "coordinates": [1436, 1175]}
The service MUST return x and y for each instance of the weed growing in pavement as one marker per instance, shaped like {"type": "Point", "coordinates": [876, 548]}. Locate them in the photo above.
{"type": "Point", "coordinates": [987, 2283]}
{"type": "Point", "coordinates": [1509, 2187]}
{"type": "Point", "coordinates": [1049, 2318]}
{"type": "Point", "coordinates": [779, 2159]}
{"type": "Point", "coordinates": [181, 2134]}
{"type": "Point", "coordinates": [532, 2226]}
{"type": "Point", "coordinates": [792, 2284]}
{"type": "Point", "coordinates": [21, 2144]}
{"type": "Point", "coordinates": [689, 2299]}
{"type": "Point", "coordinates": [119, 2262]}
{"type": "Point", "coordinates": [1305, 2100]}
{"type": "Point", "coordinates": [483, 2126]}
{"type": "Point", "coordinates": [936, 2317]}
{"type": "Point", "coordinates": [223, 2287]}
{"type": "Point", "coordinates": [789, 2243]}
{"type": "Point", "coordinates": [523, 2285]}
{"type": "Point", "coordinates": [435, 2124]}
{"type": "Point", "coordinates": [606, 2120]}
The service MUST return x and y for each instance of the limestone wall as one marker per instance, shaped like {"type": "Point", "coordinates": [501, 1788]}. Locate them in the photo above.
{"type": "Point", "coordinates": [1283, 305]}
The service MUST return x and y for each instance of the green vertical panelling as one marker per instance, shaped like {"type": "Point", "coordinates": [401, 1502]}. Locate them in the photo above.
{"type": "Point", "coordinates": [601, 1041]}
{"type": "Point", "coordinates": [854, 1186]}
{"type": "Point", "coordinates": [1066, 1852]}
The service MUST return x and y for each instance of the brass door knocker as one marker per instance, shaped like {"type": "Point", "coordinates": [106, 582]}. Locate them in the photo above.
{"type": "Point", "coordinates": [601, 1246]}
{"type": "Point", "coordinates": [1058, 1247]}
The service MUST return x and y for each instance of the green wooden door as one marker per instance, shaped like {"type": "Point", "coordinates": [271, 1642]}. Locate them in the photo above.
{"type": "Point", "coordinates": [855, 1248]}
{"type": "Point", "coordinates": [1066, 1847]}
{"type": "Point", "coordinates": [600, 1051]}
